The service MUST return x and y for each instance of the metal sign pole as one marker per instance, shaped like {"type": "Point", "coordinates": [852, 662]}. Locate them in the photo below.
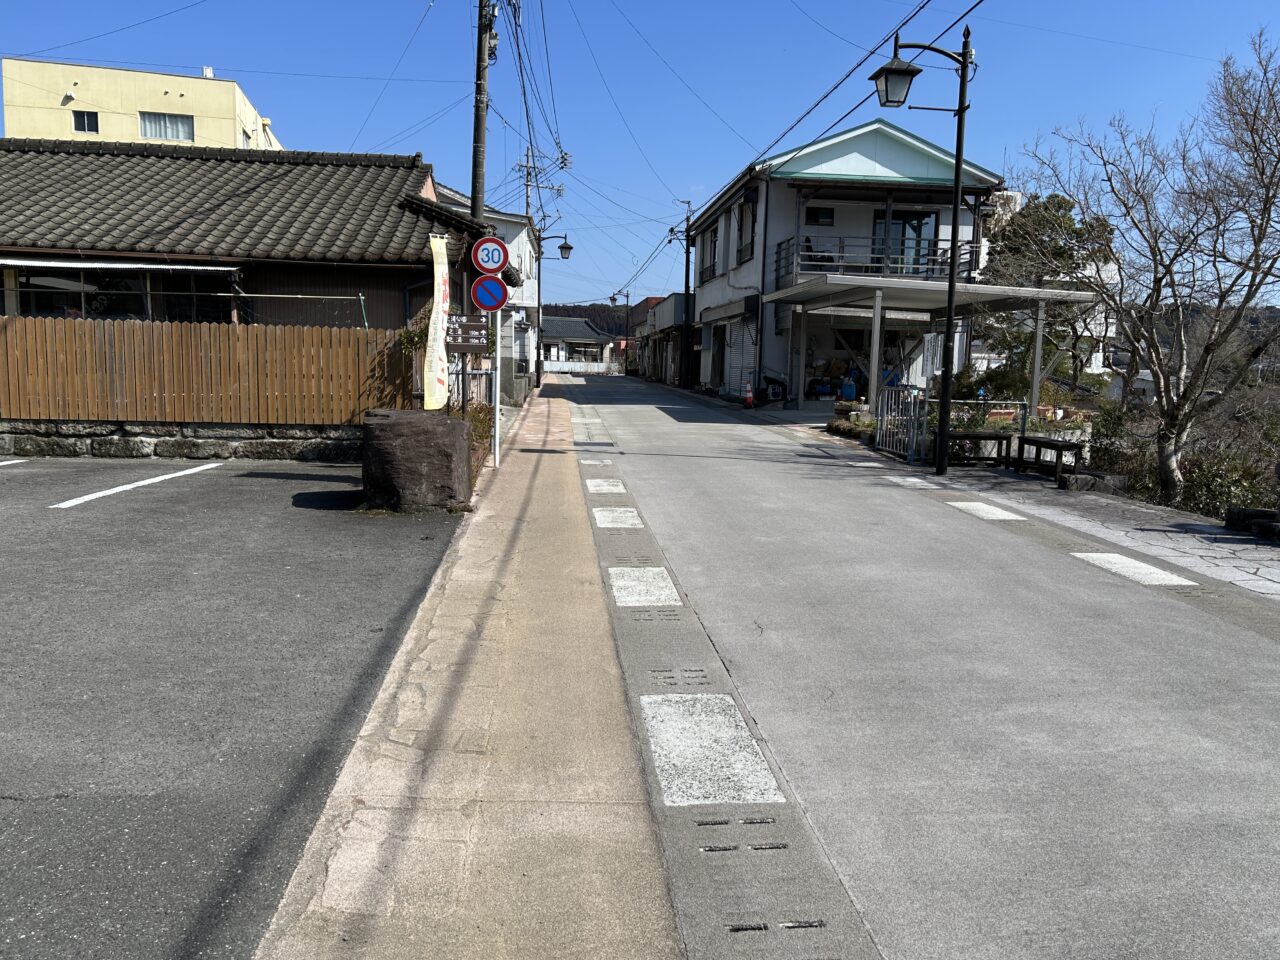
{"type": "Point", "coordinates": [497, 388]}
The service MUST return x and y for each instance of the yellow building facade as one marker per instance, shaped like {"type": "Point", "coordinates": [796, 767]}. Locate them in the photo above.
{"type": "Point", "coordinates": [69, 101]}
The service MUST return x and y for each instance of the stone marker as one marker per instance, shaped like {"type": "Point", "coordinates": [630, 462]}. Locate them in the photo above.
{"type": "Point", "coordinates": [416, 460]}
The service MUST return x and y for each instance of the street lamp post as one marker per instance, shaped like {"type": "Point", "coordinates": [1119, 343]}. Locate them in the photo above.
{"type": "Point", "coordinates": [565, 249]}
{"type": "Point", "coordinates": [626, 324]}
{"type": "Point", "coordinates": [893, 82]}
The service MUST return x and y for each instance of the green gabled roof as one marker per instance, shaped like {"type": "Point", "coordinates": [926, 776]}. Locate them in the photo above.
{"type": "Point", "coordinates": [779, 160]}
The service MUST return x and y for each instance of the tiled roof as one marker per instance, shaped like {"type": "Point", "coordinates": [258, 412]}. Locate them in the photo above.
{"type": "Point", "coordinates": [573, 328]}
{"type": "Point", "coordinates": [215, 202]}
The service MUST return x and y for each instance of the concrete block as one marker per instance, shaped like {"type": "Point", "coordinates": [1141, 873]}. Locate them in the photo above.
{"type": "Point", "coordinates": [416, 460]}
{"type": "Point", "coordinates": [296, 433]}
{"type": "Point", "coordinates": [269, 449]}
{"type": "Point", "coordinates": [332, 451]}
{"type": "Point", "coordinates": [343, 432]}
{"type": "Point", "coordinates": [43, 428]}
{"type": "Point", "coordinates": [223, 432]}
{"type": "Point", "coordinates": [86, 428]}
{"type": "Point", "coordinates": [37, 446]}
{"type": "Point", "coordinates": [123, 446]}
{"type": "Point", "coordinates": [193, 449]}
{"type": "Point", "coordinates": [151, 430]}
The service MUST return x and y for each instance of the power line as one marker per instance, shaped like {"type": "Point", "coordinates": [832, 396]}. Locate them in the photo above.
{"type": "Point", "coordinates": [941, 33]}
{"type": "Point", "coordinates": [399, 60]}
{"type": "Point", "coordinates": [621, 116]}
{"type": "Point", "coordinates": [1084, 36]}
{"type": "Point", "coordinates": [847, 74]}
{"type": "Point", "coordinates": [676, 74]}
{"type": "Point", "coordinates": [842, 38]}
{"type": "Point", "coordinates": [108, 33]}
{"type": "Point", "coordinates": [546, 50]}
{"type": "Point", "coordinates": [420, 125]}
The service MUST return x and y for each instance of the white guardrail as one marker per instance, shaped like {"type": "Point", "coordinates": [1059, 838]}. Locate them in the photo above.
{"type": "Point", "coordinates": [582, 367]}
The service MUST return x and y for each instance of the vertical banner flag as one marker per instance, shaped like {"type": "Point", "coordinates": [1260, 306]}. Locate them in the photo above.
{"type": "Point", "coordinates": [435, 372]}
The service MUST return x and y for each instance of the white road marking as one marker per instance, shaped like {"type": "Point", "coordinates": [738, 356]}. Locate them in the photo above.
{"type": "Point", "coordinates": [9, 463]}
{"type": "Point", "coordinates": [704, 753]}
{"type": "Point", "coordinates": [596, 463]}
{"type": "Point", "coordinates": [984, 511]}
{"type": "Point", "coordinates": [605, 486]}
{"type": "Point", "coordinates": [643, 587]}
{"type": "Point", "coordinates": [1143, 573]}
{"type": "Point", "coordinates": [617, 517]}
{"type": "Point", "coordinates": [919, 483]}
{"type": "Point", "coordinates": [130, 486]}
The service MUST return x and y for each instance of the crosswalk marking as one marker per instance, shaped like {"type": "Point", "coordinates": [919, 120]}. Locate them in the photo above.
{"type": "Point", "coordinates": [1143, 573]}
{"type": "Point", "coordinates": [984, 511]}
{"type": "Point", "coordinates": [918, 482]}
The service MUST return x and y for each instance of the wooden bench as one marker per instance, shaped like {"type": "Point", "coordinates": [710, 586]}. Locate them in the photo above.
{"type": "Point", "coordinates": [1059, 447]}
{"type": "Point", "coordinates": [1002, 440]}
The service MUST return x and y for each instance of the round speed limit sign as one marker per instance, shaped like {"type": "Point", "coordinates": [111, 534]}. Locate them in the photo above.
{"type": "Point", "coordinates": [489, 255]}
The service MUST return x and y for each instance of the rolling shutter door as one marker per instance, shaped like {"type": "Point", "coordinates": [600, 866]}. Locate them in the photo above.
{"type": "Point", "coordinates": [739, 357]}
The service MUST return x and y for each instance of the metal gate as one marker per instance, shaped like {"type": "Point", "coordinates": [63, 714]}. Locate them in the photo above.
{"type": "Point", "coordinates": [902, 422]}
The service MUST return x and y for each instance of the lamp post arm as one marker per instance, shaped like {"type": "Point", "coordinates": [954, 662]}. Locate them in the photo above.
{"type": "Point", "coordinates": [956, 58]}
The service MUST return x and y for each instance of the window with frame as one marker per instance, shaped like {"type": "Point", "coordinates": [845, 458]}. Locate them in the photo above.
{"type": "Point", "coordinates": [711, 254]}
{"type": "Point", "coordinates": [819, 216]}
{"type": "Point", "coordinates": [84, 121]}
{"type": "Point", "coordinates": [746, 231]}
{"type": "Point", "coordinates": [167, 126]}
{"type": "Point", "coordinates": [97, 294]}
{"type": "Point", "coordinates": [246, 141]}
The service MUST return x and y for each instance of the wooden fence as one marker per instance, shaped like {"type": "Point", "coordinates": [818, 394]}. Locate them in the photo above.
{"type": "Point", "coordinates": [56, 368]}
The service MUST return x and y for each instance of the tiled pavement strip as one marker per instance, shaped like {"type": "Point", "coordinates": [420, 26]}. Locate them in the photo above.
{"type": "Point", "coordinates": [747, 874]}
{"type": "Point", "coordinates": [493, 805]}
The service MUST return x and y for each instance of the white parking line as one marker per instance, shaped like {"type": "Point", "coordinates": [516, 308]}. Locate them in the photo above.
{"type": "Point", "coordinates": [1143, 573]}
{"type": "Point", "coordinates": [595, 463]}
{"type": "Point", "coordinates": [9, 463]}
{"type": "Point", "coordinates": [984, 511]}
{"type": "Point", "coordinates": [605, 486]}
{"type": "Point", "coordinates": [643, 587]}
{"type": "Point", "coordinates": [612, 518]}
{"type": "Point", "coordinates": [704, 753]}
{"type": "Point", "coordinates": [130, 486]}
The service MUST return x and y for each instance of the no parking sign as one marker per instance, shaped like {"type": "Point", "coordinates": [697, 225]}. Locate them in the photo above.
{"type": "Point", "coordinates": [489, 293]}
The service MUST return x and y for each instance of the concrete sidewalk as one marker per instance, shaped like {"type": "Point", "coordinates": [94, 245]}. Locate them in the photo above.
{"type": "Point", "coordinates": [493, 805]}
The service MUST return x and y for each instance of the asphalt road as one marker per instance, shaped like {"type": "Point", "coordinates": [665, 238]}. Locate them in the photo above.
{"type": "Point", "coordinates": [185, 665]}
{"type": "Point", "coordinates": [1006, 752]}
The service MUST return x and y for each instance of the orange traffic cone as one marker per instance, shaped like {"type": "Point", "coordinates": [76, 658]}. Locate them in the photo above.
{"type": "Point", "coordinates": [750, 401]}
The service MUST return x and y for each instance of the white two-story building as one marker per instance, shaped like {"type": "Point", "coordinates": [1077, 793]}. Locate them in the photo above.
{"type": "Point", "coordinates": [822, 271]}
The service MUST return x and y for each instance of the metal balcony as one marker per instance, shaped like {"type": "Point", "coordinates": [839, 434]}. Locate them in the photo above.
{"type": "Point", "coordinates": [854, 255]}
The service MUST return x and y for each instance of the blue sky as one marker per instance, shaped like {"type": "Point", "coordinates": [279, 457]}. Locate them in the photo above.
{"type": "Point", "coordinates": [757, 64]}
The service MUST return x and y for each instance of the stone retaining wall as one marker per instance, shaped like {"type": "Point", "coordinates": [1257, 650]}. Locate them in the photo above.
{"type": "Point", "coordinates": [195, 441]}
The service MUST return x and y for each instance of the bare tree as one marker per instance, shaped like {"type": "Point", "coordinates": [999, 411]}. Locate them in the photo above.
{"type": "Point", "coordinates": [1195, 241]}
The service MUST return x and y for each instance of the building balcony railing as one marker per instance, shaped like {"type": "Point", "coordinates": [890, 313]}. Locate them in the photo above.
{"type": "Point", "coordinates": [707, 273]}
{"type": "Point", "coordinates": [860, 256]}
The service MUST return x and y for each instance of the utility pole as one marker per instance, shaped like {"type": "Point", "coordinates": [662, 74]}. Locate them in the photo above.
{"type": "Point", "coordinates": [686, 335]}
{"type": "Point", "coordinates": [484, 30]}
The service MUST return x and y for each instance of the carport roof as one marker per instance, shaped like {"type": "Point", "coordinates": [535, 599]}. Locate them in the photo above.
{"type": "Point", "coordinates": [914, 295]}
